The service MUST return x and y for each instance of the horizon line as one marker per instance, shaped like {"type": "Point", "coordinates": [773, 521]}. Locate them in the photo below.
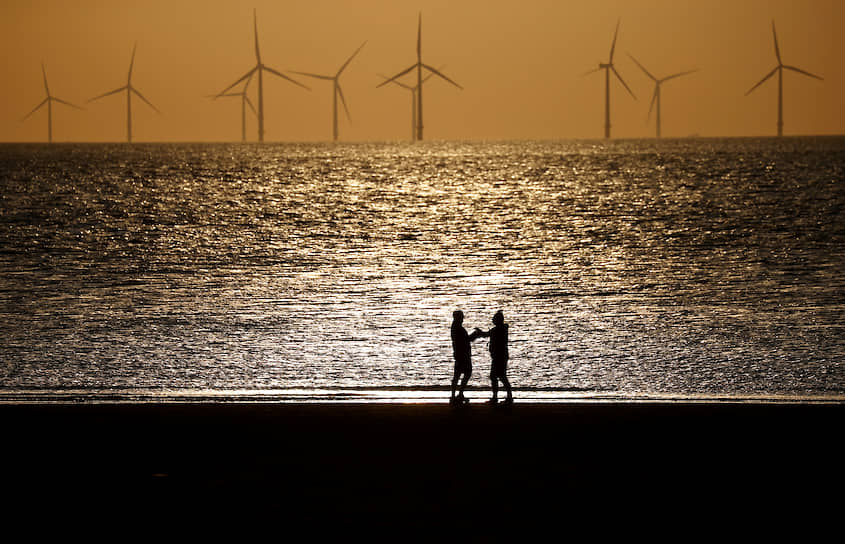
{"type": "Point", "coordinates": [436, 140]}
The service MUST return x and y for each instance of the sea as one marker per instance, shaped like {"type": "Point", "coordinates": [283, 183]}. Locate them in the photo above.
{"type": "Point", "coordinates": [679, 269]}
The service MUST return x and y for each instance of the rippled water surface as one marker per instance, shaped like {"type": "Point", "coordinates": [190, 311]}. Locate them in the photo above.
{"type": "Point", "coordinates": [686, 267]}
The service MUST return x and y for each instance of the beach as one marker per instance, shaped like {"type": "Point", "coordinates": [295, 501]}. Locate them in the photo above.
{"type": "Point", "coordinates": [478, 470]}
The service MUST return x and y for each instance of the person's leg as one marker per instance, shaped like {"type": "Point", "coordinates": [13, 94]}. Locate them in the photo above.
{"type": "Point", "coordinates": [494, 385]}
{"type": "Point", "coordinates": [464, 382]}
{"type": "Point", "coordinates": [455, 382]}
{"type": "Point", "coordinates": [507, 385]}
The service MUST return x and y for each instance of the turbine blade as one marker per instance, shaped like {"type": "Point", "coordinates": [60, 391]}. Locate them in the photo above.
{"type": "Point", "coordinates": [397, 76]}
{"type": "Point", "coordinates": [673, 76]}
{"type": "Point", "coordinates": [591, 72]}
{"type": "Point", "coordinates": [623, 82]}
{"type": "Point", "coordinates": [283, 76]}
{"type": "Point", "coordinates": [653, 101]}
{"type": "Point", "coordinates": [35, 109]}
{"type": "Point", "coordinates": [437, 72]}
{"type": "Point", "coordinates": [150, 104]}
{"type": "Point", "coordinates": [613, 45]}
{"type": "Point", "coordinates": [770, 74]}
{"type": "Point", "coordinates": [777, 48]}
{"type": "Point", "coordinates": [109, 93]}
{"type": "Point", "coordinates": [255, 27]}
{"type": "Point", "coordinates": [345, 64]}
{"type": "Point", "coordinates": [642, 67]}
{"type": "Point", "coordinates": [404, 86]}
{"type": "Point", "coordinates": [248, 81]}
{"type": "Point", "coordinates": [215, 96]}
{"type": "Point", "coordinates": [343, 101]}
{"type": "Point", "coordinates": [131, 63]}
{"type": "Point", "coordinates": [245, 76]}
{"type": "Point", "coordinates": [44, 73]}
{"type": "Point", "coordinates": [419, 39]}
{"type": "Point", "coordinates": [318, 76]}
{"type": "Point", "coordinates": [429, 76]}
{"type": "Point", "coordinates": [249, 103]}
{"type": "Point", "coordinates": [800, 71]}
{"type": "Point", "coordinates": [66, 103]}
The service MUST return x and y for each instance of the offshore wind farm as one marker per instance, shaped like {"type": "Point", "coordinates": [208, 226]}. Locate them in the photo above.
{"type": "Point", "coordinates": [478, 58]}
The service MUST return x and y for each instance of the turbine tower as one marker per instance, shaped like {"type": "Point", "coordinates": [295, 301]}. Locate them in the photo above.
{"type": "Point", "coordinates": [779, 69]}
{"type": "Point", "coordinates": [609, 67]}
{"type": "Point", "coordinates": [655, 98]}
{"type": "Point", "coordinates": [419, 66]}
{"type": "Point", "coordinates": [245, 101]}
{"type": "Point", "coordinates": [129, 90]}
{"type": "Point", "coordinates": [259, 68]}
{"type": "Point", "coordinates": [413, 91]}
{"type": "Point", "coordinates": [49, 102]}
{"type": "Point", "coordinates": [337, 91]}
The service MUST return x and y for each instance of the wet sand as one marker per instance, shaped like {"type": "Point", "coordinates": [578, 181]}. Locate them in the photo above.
{"type": "Point", "coordinates": [476, 472]}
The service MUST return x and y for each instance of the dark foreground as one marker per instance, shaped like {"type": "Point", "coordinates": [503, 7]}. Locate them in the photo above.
{"type": "Point", "coordinates": [404, 471]}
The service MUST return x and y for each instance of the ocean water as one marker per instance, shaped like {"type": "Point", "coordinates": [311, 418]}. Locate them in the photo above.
{"type": "Point", "coordinates": [695, 268]}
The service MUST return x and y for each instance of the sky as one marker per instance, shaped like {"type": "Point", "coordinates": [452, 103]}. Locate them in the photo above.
{"type": "Point", "coordinates": [521, 66]}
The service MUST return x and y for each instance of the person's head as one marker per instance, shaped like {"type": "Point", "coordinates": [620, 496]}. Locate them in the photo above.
{"type": "Point", "coordinates": [498, 318]}
{"type": "Point", "coordinates": [458, 317]}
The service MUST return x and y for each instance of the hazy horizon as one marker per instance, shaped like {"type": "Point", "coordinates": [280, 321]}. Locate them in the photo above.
{"type": "Point", "coordinates": [521, 69]}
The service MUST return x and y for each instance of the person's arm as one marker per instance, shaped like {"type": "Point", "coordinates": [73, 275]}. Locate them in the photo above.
{"type": "Point", "coordinates": [478, 333]}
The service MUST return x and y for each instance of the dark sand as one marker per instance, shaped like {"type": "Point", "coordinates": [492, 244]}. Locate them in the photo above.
{"type": "Point", "coordinates": [593, 469]}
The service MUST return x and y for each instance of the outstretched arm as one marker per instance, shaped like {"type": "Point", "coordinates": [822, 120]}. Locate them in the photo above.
{"type": "Point", "coordinates": [478, 333]}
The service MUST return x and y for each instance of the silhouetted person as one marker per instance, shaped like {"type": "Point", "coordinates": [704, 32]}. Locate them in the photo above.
{"type": "Point", "coordinates": [462, 351]}
{"type": "Point", "coordinates": [499, 357]}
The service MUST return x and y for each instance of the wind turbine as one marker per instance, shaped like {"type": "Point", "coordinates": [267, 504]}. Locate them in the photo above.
{"type": "Point", "coordinates": [49, 102]}
{"type": "Point", "coordinates": [245, 101]}
{"type": "Point", "coordinates": [337, 91]}
{"type": "Point", "coordinates": [129, 90]}
{"type": "Point", "coordinates": [413, 101]}
{"type": "Point", "coordinates": [419, 68]}
{"type": "Point", "coordinates": [259, 68]}
{"type": "Point", "coordinates": [608, 67]}
{"type": "Point", "coordinates": [779, 69]}
{"type": "Point", "coordinates": [655, 98]}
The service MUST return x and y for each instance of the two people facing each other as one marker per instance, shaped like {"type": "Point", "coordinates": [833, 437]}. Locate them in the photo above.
{"type": "Point", "coordinates": [462, 351]}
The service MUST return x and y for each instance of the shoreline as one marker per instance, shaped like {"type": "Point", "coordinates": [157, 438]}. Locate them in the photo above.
{"type": "Point", "coordinates": [429, 396]}
{"type": "Point", "coordinates": [428, 465]}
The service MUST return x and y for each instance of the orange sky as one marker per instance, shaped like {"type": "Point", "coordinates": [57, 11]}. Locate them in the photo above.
{"type": "Point", "coordinates": [520, 63]}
